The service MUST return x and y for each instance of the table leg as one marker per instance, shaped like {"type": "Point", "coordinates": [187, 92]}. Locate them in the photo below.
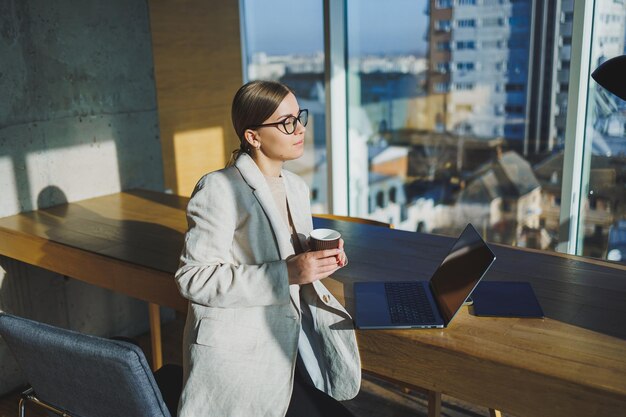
{"type": "Point", "coordinates": [155, 335]}
{"type": "Point", "coordinates": [434, 403]}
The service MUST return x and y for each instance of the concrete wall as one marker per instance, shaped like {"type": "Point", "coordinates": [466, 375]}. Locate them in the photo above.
{"type": "Point", "coordinates": [78, 119]}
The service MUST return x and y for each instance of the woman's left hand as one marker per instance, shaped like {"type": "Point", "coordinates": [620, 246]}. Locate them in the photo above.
{"type": "Point", "coordinates": [342, 259]}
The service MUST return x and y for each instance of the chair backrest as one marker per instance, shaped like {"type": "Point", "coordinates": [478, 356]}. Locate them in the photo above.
{"type": "Point", "coordinates": [354, 219]}
{"type": "Point", "coordinates": [85, 375]}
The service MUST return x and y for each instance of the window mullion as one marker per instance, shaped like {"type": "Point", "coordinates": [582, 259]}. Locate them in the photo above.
{"type": "Point", "coordinates": [336, 105]}
{"type": "Point", "coordinates": [571, 214]}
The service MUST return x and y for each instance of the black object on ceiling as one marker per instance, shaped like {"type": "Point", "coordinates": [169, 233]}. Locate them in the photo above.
{"type": "Point", "coordinates": [611, 75]}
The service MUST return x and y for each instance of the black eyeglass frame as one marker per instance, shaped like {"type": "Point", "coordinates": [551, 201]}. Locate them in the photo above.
{"type": "Point", "coordinates": [289, 121]}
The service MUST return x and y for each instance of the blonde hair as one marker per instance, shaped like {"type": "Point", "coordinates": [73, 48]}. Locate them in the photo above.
{"type": "Point", "coordinates": [253, 104]}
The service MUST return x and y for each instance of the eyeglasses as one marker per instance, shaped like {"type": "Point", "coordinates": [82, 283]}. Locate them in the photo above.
{"type": "Point", "coordinates": [290, 123]}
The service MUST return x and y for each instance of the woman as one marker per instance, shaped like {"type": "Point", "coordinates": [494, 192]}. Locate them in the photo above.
{"type": "Point", "coordinates": [263, 336]}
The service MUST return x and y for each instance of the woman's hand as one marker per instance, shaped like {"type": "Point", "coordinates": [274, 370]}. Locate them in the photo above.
{"type": "Point", "coordinates": [342, 259]}
{"type": "Point", "coordinates": [310, 266]}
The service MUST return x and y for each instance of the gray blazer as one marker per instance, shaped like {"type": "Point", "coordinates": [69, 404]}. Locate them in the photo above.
{"type": "Point", "coordinates": [241, 335]}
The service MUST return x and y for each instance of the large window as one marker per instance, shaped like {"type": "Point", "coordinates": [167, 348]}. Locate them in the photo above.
{"type": "Point", "coordinates": [465, 133]}
{"type": "Point", "coordinates": [285, 43]}
{"type": "Point", "coordinates": [603, 212]}
{"type": "Point", "coordinates": [457, 112]}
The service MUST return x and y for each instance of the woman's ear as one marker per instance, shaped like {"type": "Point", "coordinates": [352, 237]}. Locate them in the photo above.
{"type": "Point", "coordinates": [251, 137]}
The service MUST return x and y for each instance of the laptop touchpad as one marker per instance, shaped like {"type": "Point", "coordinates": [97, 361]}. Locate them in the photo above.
{"type": "Point", "coordinates": [372, 307]}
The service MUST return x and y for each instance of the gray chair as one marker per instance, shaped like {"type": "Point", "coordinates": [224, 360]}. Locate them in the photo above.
{"type": "Point", "coordinates": [73, 374]}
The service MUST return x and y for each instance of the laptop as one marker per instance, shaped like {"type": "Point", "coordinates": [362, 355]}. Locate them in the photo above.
{"type": "Point", "coordinates": [426, 304]}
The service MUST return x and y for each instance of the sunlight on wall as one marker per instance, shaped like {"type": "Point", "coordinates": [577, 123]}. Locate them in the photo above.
{"type": "Point", "coordinates": [77, 170]}
{"type": "Point", "coordinates": [9, 204]}
{"type": "Point", "coordinates": [197, 152]}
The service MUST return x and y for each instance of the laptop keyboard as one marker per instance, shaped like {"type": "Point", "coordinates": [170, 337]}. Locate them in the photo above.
{"type": "Point", "coordinates": [408, 302]}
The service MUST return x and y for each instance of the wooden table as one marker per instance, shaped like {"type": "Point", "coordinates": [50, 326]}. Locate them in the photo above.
{"type": "Point", "coordinates": [573, 363]}
{"type": "Point", "coordinates": [126, 242]}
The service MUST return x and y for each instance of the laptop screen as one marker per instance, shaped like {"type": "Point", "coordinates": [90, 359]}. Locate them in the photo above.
{"type": "Point", "coordinates": [460, 272]}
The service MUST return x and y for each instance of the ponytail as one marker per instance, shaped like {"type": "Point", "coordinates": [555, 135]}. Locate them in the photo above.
{"type": "Point", "coordinates": [243, 148]}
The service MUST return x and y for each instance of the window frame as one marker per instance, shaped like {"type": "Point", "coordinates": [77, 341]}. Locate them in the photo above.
{"type": "Point", "coordinates": [335, 78]}
{"type": "Point", "coordinates": [570, 220]}
{"type": "Point", "coordinates": [335, 27]}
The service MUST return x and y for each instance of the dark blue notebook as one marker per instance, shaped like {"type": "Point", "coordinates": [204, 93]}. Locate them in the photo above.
{"type": "Point", "coordinates": [505, 299]}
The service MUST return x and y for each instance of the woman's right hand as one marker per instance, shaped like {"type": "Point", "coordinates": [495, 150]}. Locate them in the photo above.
{"type": "Point", "coordinates": [310, 266]}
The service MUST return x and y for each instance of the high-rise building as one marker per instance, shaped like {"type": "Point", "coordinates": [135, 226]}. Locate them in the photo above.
{"type": "Point", "coordinates": [478, 54]}
{"type": "Point", "coordinates": [547, 71]}
{"type": "Point", "coordinates": [608, 41]}
{"type": "Point", "coordinates": [500, 68]}
{"type": "Point", "coordinates": [439, 59]}
{"type": "Point", "coordinates": [561, 86]}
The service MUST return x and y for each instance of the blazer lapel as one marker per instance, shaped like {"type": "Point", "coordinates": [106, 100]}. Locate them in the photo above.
{"type": "Point", "coordinates": [254, 177]}
{"type": "Point", "coordinates": [300, 214]}
{"type": "Point", "coordinates": [303, 223]}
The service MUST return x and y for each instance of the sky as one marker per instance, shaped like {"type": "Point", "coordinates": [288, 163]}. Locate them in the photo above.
{"type": "Point", "coordinates": [296, 26]}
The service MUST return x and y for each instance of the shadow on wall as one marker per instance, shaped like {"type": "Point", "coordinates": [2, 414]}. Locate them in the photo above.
{"type": "Point", "coordinates": [51, 196]}
{"type": "Point", "coordinates": [83, 109]}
